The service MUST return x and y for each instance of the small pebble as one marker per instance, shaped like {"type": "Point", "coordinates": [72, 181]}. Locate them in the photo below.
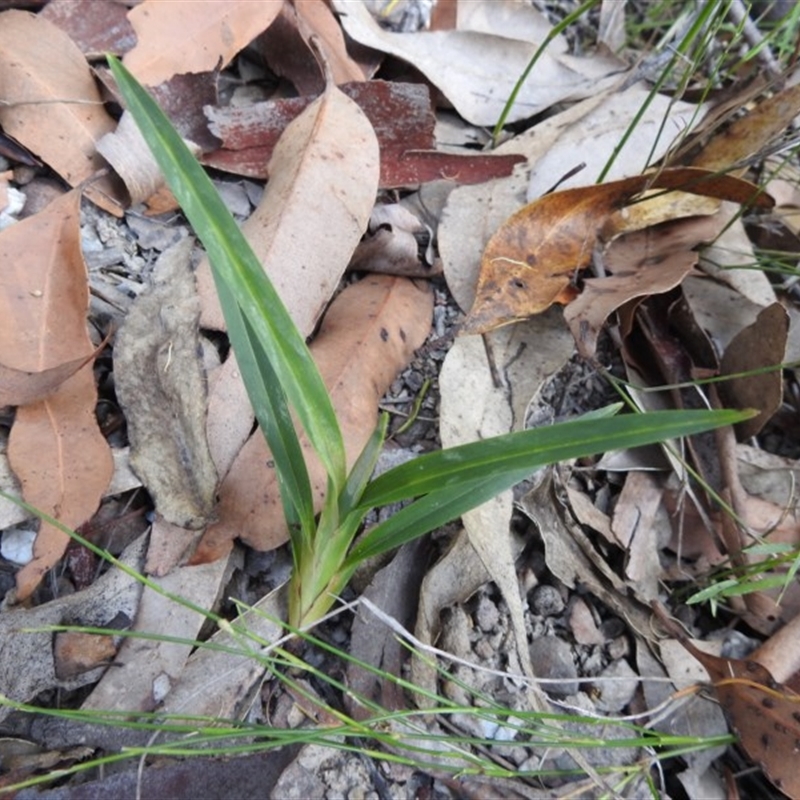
{"type": "Point", "coordinates": [551, 658]}
{"type": "Point", "coordinates": [547, 601]}
{"type": "Point", "coordinates": [614, 695]}
{"type": "Point", "coordinates": [618, 648]}
{"type": "Point", "coordinates": [17, 545]}
{"type": "Point", "coordinates": [487, 615]}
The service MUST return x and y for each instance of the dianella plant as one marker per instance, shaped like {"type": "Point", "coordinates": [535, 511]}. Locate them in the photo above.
{"type": "Point", "coordinates": [282, 380]}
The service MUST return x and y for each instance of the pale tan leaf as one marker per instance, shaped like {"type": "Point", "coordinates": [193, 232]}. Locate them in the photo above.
{"type": "Point", "coordinates": [192, 35]}
{"type": "Point", "coordinates": [215, 681]}
{"type": "Point", "coordinates": [50, 102]}
{"type": "Point", "coordinates": [474, 406]}
{"type": "Point", "coordinates": [323, 181]}
{"type": "Point", "coordinates": [368, 335]}
{"type": "Point", "coordinates": [477, 71]}
{"type": "Point", "coordinates": [509, 18]}
{"type": "Point", "coordinates": [634, 526]}
{"type": "Point", "coordinates": [146, 667]}
{"type": "Point", "coordinates": [230, 415]}
{"type": "Point", "coordinates": [603, 136]}
{"type": "Point", "coordinates": [56, 450]}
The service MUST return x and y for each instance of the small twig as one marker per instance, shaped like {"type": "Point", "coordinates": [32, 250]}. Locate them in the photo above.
{"type": "Point", "coordinates": [739, 15]}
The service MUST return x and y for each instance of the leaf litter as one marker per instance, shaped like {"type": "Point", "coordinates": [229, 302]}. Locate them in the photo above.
{"type": "Point", "coordinates": [676, 310]}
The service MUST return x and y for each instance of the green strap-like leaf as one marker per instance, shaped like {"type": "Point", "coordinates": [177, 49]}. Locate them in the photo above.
{"type": "Point", "coordinates": [511, 453]}
{"type": "Point", "coordinates": [457, 480]}
{"type": "Point", "coordinates": [235, 265]}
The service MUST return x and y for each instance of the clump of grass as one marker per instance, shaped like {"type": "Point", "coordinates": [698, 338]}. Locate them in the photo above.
{"type": "Point", "coordinates": [280, 376]}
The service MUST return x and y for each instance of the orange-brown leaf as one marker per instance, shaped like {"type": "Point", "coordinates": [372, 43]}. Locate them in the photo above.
{"type": "Point", "coordinates": [51, 103]}
{"type": "Point", "coordinates": [19, 387]}
{"type": "Point", "coordinates": [192, 36]}
{"type": "Point", "coordinates": [531, 261]}
{"type": "Point", "coordinates": [367, 336]}
{"type": "Point", "coordinates": [55, 447]}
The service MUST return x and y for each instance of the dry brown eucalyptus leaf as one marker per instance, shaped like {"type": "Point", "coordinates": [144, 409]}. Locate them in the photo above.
{"type": "Point", "coordinates": [367, 336]}
{"type": "Point", "coordinates": [762, 344]}
{"type": "Point", "coordinates": [51, 104]}
{"type": "Point", "coordinates": [763, 713]}
{"type": "Point", "coordinates": [55, 449]}
{"type": "Point", "coordinates": [531, 261]}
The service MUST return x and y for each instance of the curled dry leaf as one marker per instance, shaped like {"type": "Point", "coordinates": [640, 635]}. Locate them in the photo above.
{"type": "Point", "coordinates": [642, 263]}
{"type": "Point", "coordinates": [51, 103]}
{"type": "Point", "coordinates": [287, 51]}
{"type": "Point", "coordinates": [192, 36]}
{"type": "Point", "coordinates": [763, 713]}
{"type": "Point", "coordinates": [161, 387]}
{"type": "Point", "coordinates": [393, 244]}
{"type": "Point", "coordinates": [127, 152]}
{"type": "Point", "coordinates": [323, 180]}
{"type": "Point", "coordinates": [19, 388]}
{"type": "Point", "coordinates": [56, 449]}
{"type": "Point", "coordinates": [367, 336]}
{"type": "Point", "coordinates": [531, 261]}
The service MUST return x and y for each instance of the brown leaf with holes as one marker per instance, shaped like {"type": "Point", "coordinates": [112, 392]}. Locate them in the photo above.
{"type": "Point", "coordinates": [367, 336]}
{"type": "Point", "coordinates": [56, 450]}
{"type": "Point", "coordinates": [531, 261]}
{"type": "Point", "coordinates": [764, 714]}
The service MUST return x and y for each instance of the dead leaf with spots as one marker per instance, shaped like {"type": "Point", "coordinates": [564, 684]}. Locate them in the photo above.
{"type": "Point", "coordinates": [50, 102]}
{"type": "Point", "coordinates": [532, 260]}
{"type": "Point", "coordinates": [55, 449]}
{"type": "Point", "coordinates": [764, 714]}
{"type": "Point", "coordinates": [367, 336]}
